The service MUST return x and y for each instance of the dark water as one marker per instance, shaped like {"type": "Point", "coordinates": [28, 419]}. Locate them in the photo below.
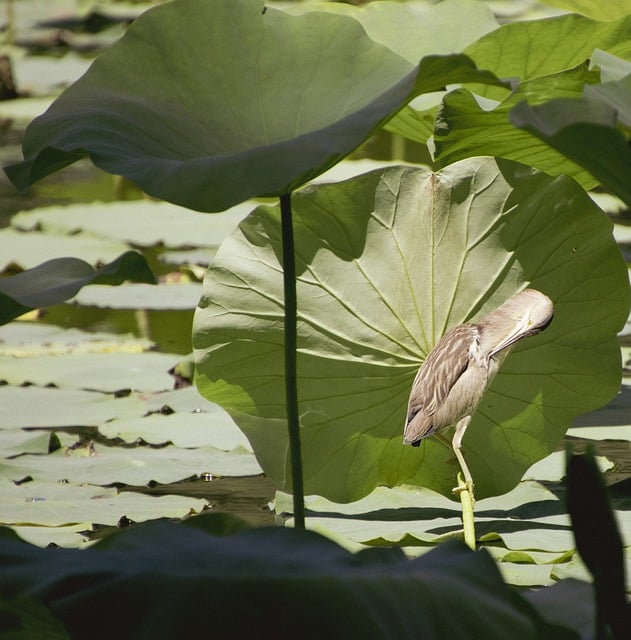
{"type": "Point", "coordinates": [246, 497]}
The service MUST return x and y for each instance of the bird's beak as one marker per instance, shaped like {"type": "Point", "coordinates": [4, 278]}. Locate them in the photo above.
{"type": "Point", "coordinates": [524, 329]}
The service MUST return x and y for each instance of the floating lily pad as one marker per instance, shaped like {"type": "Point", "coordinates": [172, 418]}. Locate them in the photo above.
{"type": "Point", "coordinates": [615, 413]}
{"type": "Point", "coordinates": [30, 249]}
{"type": "Point", "coordinates": [552, 468]}
{"type": "Point", "coordinates": [142, 223]}
{"type": "Point", "coordinates": [577, 569]}
{"type": "Point", "coordinates": [141, 296]}
{"type": "Point", "coordinates": [50, 408]}
{"type": "Point", "coordinates": [15, 442]}
{"type": "Point", "coordinates": [214, 428]}
{"type": "Point", "coordinates": [108, 372]}
{"type": "Point", "coordinates": [186, 399]}
{"type": "Point", "coordinates": [137, 466]}
{"type": "Point", "coordinates": [621, 432]}
{"type": "Point", "coordinates": [413, 516]}
{"type": "Point", "coordinates": [47, 75]}
{"type": "Point", "coordinates": [23, 110]}
{"type": "Point", "coordinates": [199, 257]}
{"type": "Point", "coordinates": [53, 504]}
{"type": "Point", "coordinates": [36, 339]}
{"type": "Point", "coordinates": [531, 575]}
{"type": "Point", "coordinates": [70, 536]}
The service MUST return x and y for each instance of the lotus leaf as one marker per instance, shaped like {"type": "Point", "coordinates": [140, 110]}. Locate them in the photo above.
{"type": "Point", "coordinates": [387, 263]}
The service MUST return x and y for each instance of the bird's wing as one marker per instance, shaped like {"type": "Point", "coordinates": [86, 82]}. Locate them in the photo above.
{"type": "Point", "coordinates": [446, 362]}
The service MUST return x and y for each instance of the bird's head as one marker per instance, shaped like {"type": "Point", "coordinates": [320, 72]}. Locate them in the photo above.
{"type": "Point", "coordinates": [525, 314]}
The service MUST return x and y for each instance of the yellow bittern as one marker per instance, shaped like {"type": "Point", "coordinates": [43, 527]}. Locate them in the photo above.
{"type": "Point", "coordinates": [451, 382]}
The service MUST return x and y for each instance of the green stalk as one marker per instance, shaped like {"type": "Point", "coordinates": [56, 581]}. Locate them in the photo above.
{"type": "Point", "coordinates": [291, 387]}
{"type": "Point", "coordinates": [468, 522]}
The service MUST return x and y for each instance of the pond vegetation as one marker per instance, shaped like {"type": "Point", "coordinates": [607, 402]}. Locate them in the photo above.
{"type": "Point", "coordinates": [232, 130]}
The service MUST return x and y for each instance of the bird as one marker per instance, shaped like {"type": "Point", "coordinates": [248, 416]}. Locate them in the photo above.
{"type": "Point", "coordinates": [452, 380]}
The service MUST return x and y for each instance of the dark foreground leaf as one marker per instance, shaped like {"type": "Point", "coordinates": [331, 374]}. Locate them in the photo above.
{"type": "Point", "coordinates": [599, 543]}
{"type": "Point", "coordinates": [167, 580]}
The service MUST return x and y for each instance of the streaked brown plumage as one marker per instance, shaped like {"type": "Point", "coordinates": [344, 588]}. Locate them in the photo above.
{"type": "Point", "coordinates": [451, 382]}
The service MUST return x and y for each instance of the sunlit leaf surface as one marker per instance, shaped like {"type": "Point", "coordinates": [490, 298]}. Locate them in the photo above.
{"type": "Point", "coordinates": [465, 128]}
{"type": "Point", "coordinates": [533, 49]}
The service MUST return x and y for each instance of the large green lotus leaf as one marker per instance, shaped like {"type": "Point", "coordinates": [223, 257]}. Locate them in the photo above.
{"type": "Point", "coordinates": [207, 103]}
{"type": "Point", "coordinates": [593, 131]}
{"type": "Point", "coordinates": [526, 50]}
{"type": "Point", "coordinates": [464, 128]}
{"type": "Point", "coordinates": [202, 580]}
{"type": "Point", "coordinates": [386, 264]}
{"type": "Point", "coordinates": [413, 30]}
{"type": "Point", "coordinates": [537, 48]}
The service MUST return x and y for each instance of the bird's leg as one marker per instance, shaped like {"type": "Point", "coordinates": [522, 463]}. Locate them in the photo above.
{"type": "Point", "coordinates": [456, 443]}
